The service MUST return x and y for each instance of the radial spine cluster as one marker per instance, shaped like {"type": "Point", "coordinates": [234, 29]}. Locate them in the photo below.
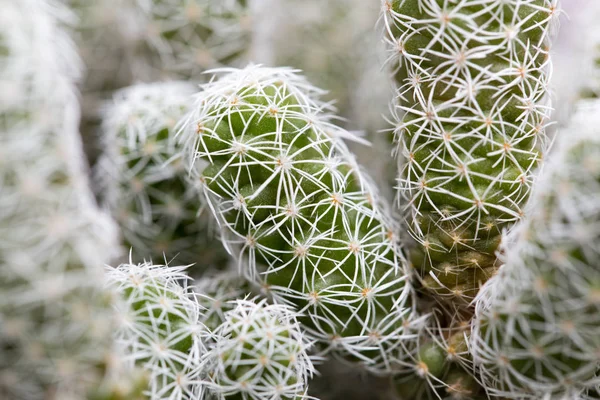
{"type": "Point", "coordinates": [472, 111]}
{"type": "Point", "coordinates": [536, 332]}
{"type": "Point", "coordinates": [145, 186]}
{"type": "Point", "coordinates": [297, 212]}
{"type": "Point", "coordinates": [55, 315]}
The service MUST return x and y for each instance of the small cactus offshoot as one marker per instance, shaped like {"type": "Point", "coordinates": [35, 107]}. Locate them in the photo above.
{"type": "Point", "coordinates": [160, 328]}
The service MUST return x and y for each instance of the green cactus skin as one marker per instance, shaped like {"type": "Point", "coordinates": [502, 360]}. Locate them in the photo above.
{"type": "Point", "coordinates": [144, 186]}
{"type": "Point", "coordinates": [471, 128]}
{"type": "Point", "coordinates": [55, 315]}
{"type": "Point", "coordinates": [260, 353]}
{"type": "Point", "coordinates": [161, 330]}
{"type": "Point", "coordinates": [536, 332]}
{"type": "Point", "coordinates": [303, 221]}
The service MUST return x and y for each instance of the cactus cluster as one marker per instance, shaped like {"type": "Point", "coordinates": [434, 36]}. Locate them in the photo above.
{"type": "Point", "coordinates": [264, 261]}
{"type": "Point", "coordinates": [472, 110]}
{"type": "Point", "coordinates": [144, 184]}
{"type": "Point", "coordinates": [536, 331]}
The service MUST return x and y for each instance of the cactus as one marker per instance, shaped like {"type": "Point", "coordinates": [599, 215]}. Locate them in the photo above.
{"type": "Point", "coordinates": [302, 219]}
{"type": "Point", "coordinates": [260, 353]}
{"type": "Point", "coordinates": [536, 332]}
{"type": "Point", "coordinates": [144, 185]}
{"type": "Point", "coordinates": [55, 315]}
{"type": "Point", "coordinates": [471, 128]}
{"type": "Point", "coordinates": [151, 39]}
{"type": "Point", "coordinates": [161, 329]}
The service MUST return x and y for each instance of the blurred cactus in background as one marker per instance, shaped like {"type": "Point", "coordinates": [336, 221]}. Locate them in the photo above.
{"type": "Point", "coordinates": [55, 315]}
{"type": "Point", "coordinates": [537, 326]}
{"type": "Point", "coordinates": [144, 185]}
{"type": "Point", "coordinates": [124, 42]}
{"type": "Point", "coordinates": [248, 213]}
{"type": "Point", "coordinates": [472, 110]}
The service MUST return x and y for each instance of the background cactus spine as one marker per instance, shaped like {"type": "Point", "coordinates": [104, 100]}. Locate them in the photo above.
{"type": "Point", "coordinates": [55, 315]}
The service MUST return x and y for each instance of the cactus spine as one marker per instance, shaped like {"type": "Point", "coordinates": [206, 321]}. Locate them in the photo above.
{"type": "Point", "coordinates": [536, 332]}
{"type": "Point", "coordinates": [144, 185]}
{"type": "Point", "coordinates": [471, 127]}
{"type": "Point", "coordinates": [260, 352]}
{"type": "Point", "coordinates": [297, 212]}
{"type": "Point", "coordinates": [55, 315]}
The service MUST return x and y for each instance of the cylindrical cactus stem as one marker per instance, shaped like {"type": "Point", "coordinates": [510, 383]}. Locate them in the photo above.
{"type": "Point", "coordinates": [302, 219]}
{"type": "Point", "coordinates": [55, 315]}
{"type": "Point", "coordinates": [161, 329]}
{"type": "Point", "coordinates": [536, 332]}
{"type": "Point", "coordinates": [473, 110]}
{"type": "Point", "coordinates": [142, 181]}
{"type": "Point", "coordinates": [260, 352]}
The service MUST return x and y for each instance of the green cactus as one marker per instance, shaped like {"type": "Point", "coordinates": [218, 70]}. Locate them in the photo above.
{"type": "Point", "coordinates": [340, 50]}
{"type": "Point", "coordinates": [471, 128]}
{"type": "Point", "coordinates": [536, 332]}
{"type": "Point", "coordinates": [303, 221]}
{"type": "Point", "coordinates": [144, 186]}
